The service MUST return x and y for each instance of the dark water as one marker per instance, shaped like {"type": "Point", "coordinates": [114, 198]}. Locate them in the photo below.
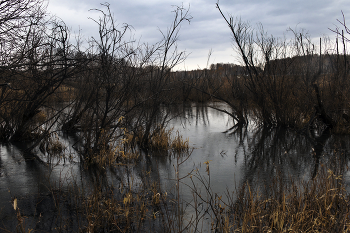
{"type": "Point", "coordinates": [255, 155]}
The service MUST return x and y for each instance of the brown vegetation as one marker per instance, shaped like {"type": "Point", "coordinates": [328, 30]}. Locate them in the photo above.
{"type": "Point", "coordinates": [114, 96]}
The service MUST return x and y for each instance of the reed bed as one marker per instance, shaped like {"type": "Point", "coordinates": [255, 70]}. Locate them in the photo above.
{"type": "Point", "coordinates": [317, 205]}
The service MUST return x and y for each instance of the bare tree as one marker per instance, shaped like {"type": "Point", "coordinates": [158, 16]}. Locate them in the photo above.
{"type": "Point", "coordinates": [35, 62]}
{"type": "Point", "coordinates": [123, 80]}
{"type": "Point", "coordinates": [280, 74]}
{"type": "Point", "coordinates": [166, 58]}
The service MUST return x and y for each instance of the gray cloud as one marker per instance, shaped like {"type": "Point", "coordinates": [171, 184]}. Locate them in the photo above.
{"type": "Point", "coordinates": [207, 29]}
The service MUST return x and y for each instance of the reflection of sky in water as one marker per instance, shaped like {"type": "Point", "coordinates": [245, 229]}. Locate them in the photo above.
{"type": "Point", "coordinates": [204, 128]}
{"type": "Point", "coordinates": [257, 158]}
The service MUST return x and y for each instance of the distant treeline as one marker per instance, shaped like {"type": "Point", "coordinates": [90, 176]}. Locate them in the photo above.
{"type": "Point", "coordinates": [99, 90]}
{"type": "Point", "coordinates": [49, 83]}
{"type": "Point", "coordinates": [279, 83]}
{"type": "Point", "coordinates": [113, 95]}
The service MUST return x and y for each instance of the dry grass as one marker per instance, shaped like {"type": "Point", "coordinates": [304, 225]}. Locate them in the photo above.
{"type": "Point", "coordinates": [122, 151]}
{"type": "Point", "coordinates": [178, 144]}
{"type": "Point", "coordinates": [123, 209]}
{"type": "Point", "coordinates": [162, 140]}
{"type": "Point", "coordinates": [319, 205]}
{"type": "Point", "coordinates": [119, 152]}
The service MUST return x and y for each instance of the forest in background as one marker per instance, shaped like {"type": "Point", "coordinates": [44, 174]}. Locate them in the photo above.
{"type": "Point", "coordinates": [112, 96]}
{"type": "Point", "coordinates": [293, 83]}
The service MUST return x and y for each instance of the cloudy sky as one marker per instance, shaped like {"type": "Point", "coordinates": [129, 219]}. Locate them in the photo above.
{"type": "Point", "coordinates": [207, 30]}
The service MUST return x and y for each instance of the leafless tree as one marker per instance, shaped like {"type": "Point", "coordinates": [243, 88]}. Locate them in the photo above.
{"type": "Point", "coordinates": [159, 81]}
{"type": "Point", "coordinates": [124, 84]}
{"type": "Point", "coordinates": [280, 74]}
{"type": "Point", "coordinates": [36, 60]}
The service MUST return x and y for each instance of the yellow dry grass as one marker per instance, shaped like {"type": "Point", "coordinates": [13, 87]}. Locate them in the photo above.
{"type": "Point", "coordinates": [320, 205]}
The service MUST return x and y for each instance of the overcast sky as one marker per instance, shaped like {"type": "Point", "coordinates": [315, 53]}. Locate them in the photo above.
{"type": "Point", "coordinates": [207, 30]}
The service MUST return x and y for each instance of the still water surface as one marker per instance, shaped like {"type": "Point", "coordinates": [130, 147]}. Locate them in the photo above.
{"type": "Point", "coordinates": [255, 155]}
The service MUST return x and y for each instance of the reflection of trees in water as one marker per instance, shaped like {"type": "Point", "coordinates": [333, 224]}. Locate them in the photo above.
{"type": "Point", "coordinates": [283, 153]}
{"type": "Point", "coordinates": [192, 111]}
{"type": "Point", "coordinates": [336, 151]}
{"type": "Point", "coordinates": [240, 135]}
{"type": "Point", "coordinates": [275, 151]}
{"type": "Point", "coordinates": [267, 152]}
{"type": "Point", "coordinates": [197, 112]}
{"type": "Point", "coordinates": [319, 142]}
{"type": "Point", "coordinates": [129, 176]}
